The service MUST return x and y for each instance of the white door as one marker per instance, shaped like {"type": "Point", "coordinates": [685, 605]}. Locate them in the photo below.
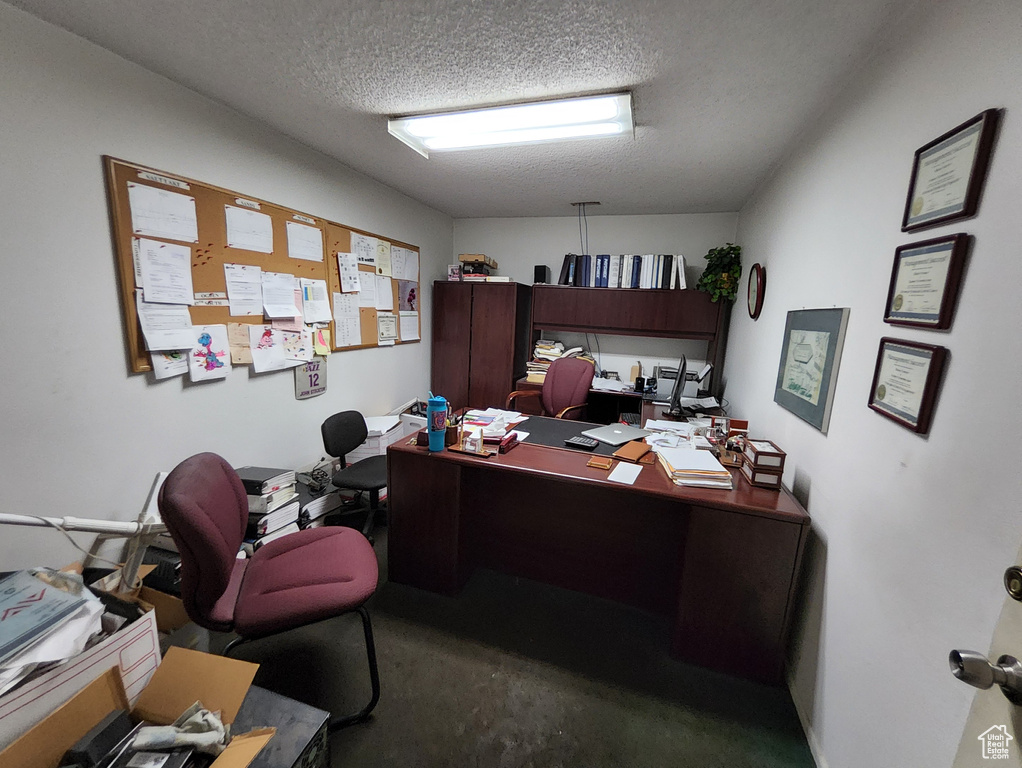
{"type": "Point", "coordinates": [991, 735]}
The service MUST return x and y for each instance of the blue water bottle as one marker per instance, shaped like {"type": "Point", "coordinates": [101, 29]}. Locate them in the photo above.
{"type": "Point", "coordinates": [436, 417]}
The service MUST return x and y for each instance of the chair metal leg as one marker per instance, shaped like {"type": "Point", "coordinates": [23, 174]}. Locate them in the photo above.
{"type": "Point", "coordinates": [374, 677]}
{"type": "Point", "coordinates": [374, 502]}
{"type": "Point", "coordinates": [374, 674]}
{"type": "Point", "coordinates": [233, 644]}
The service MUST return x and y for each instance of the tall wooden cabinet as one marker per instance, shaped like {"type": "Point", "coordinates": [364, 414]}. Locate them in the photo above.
{"type": "Point", "coordinates": [481, 341]}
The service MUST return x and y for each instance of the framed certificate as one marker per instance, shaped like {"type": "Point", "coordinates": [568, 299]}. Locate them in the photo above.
{"type": "Point", "coordinates": [924, 282]}
{"type": "Point", "coordinates": [810, 353]}
{"type": "Point", "coordinates": [905, 382]}
{"type": "Point", "coordinates": [948, 174]}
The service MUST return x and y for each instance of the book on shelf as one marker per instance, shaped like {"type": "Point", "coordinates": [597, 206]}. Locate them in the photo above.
{"type": "Point", "coordinates": [498, 279]}
{"type": "Point", "coordinates": [636, 261]}
{"type": "Point", "coordinates": [614, 272]}
{"type": "Point", "coordinates": [267, 502]}
{"type": "Point", "coordinates": [262, 480]}
{"type": "Point", "coordinates": [567, 276]}
{"type": "Point", "coordinates": [259, 525]}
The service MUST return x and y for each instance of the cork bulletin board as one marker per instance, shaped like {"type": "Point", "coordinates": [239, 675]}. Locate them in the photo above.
{"type": "Point", "coordinates": [210, 251]}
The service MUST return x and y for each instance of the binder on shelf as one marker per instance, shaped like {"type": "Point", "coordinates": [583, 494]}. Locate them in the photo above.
{"type": "Point", "coordinates": [636, 270]}
{"type": "Point", "coordinates": [667, 262]}
{"type": "Point", "coordinates": [567, 270]}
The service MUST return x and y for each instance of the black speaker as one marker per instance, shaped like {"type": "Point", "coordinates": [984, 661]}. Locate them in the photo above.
{"type": "Point", "coordinates": [542, 274]}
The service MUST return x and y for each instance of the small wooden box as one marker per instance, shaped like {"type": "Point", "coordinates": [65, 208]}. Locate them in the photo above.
{"type": "Point", "coordinates": [763, 478]}
{"type": "Point", "coordinates": [763, 454]}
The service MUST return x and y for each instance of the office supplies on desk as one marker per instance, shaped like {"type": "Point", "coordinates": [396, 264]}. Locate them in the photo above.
{"type": "Point", "coordinates": [763, 478]}
{"type": "Point", "coordinates": [509, 441]}
{"type": "Point", "coordinates": [625, 473]}
{"type": "Point", "coordinates": [600, 462]}
{"type": "Point", "coordinates": [616, 434]}
{"type": "Point", "coordinates": [635, 451]}
{"type": "Point", "coordinates": [485, 452]}
{"type": "Point", "coordinates": [582, 443]}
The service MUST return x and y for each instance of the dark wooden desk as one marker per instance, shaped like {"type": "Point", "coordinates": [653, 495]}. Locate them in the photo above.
{"type": "Point", "coordinates": [722, 564]}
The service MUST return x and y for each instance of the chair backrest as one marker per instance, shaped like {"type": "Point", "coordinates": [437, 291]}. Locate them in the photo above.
{"type": "Point", "coordinates": [344, 432]}
{"type": "Point", "coordinates": [205, 508]}
{"type": "Point", "coordinates": [567, 383]}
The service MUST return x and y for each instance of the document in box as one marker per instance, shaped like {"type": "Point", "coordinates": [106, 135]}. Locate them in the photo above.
{"type": "Point", "coordinates": [29, 608]}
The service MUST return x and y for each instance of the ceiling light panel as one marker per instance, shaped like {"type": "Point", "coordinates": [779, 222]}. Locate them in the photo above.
{"type": "Point", "coordinates": [582, 118]}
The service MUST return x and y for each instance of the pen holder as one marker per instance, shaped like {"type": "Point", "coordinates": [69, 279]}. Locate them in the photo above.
{"type": "Point", "coordinates": [451, 438]}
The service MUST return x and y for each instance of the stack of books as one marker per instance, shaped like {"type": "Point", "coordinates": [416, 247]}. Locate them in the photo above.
{"type": "Point", "coordinates": [648, 270]}
{"type": "Point", "coordinates": [544, 353]}
{"type": "Point", "coordinates": [692, 467]}
{"type": "Point", "coordinates": [476, 267]}
{"type": "Point", "coordinates": [316, 508]}
{"type": "Point", "coordinates": [273, 505]}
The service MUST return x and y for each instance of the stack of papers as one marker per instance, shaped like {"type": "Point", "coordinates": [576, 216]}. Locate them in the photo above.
{"type": "Point", "coordinates": [41, 625]}
{"type": "Point", "coordinates": [688, 466]}
{"type": "Point", "coordinates": [493, 422]}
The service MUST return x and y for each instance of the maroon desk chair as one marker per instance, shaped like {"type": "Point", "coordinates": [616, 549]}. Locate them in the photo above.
{"type": "Point", "coordinates": [298, 579]}
{"type": "Point", "coordinates": [565, 388]}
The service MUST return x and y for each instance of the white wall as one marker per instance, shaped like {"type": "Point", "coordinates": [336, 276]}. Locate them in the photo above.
{"type": "Point", "coordinates": [911, 534]}
{"type": "Point", "coordinates": [519, 244]}
{"type": "Point", "coordinates": [81, 435]}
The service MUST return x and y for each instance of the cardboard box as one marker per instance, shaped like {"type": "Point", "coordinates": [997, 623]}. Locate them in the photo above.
{"type": "Point", "coordinates": [134, 650]}
{"type": "Point", "coordinates": [183, 678]}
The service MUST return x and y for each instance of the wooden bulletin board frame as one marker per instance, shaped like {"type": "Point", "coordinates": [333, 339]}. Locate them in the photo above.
{"type": "Point", "coordinates": [211, 252]}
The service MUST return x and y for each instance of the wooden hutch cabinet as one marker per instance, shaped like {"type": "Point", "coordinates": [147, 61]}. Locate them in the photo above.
{"type": "Point", "coordinates": [674, 314]}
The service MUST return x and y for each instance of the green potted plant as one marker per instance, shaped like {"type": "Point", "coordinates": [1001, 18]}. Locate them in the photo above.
{"type": "Point", "coordinates": [723, 270]}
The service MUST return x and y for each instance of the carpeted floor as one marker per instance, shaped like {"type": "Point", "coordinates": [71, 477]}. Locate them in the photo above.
{"type": "Point", "coordinates": [515, 673]}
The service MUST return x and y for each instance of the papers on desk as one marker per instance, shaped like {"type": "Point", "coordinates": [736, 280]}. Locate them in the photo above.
{"type": "Point", "coordinates": [691, 467]}
{"type": "Point", "coordinates": [625, 473]}
{"type": "Point", "coordinates": [611, 385]}
{"type": "Point", "coordinates": [699, 403]}
{"type": "Point", "coordinates": [493, 422]}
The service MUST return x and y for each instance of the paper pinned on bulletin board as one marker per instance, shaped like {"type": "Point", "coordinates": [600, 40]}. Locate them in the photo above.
{"type": "Point", "coordinates": [210, 357]}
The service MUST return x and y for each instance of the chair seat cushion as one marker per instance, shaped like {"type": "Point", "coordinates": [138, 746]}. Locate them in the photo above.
{"type": "Point", "coordinates": [366, 475]}
{"type": "Point", "coordinates": [304, 577]}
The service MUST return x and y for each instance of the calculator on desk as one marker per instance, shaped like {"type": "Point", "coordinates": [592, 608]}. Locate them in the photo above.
{"type": "Point", "coordinates": [581, 442]}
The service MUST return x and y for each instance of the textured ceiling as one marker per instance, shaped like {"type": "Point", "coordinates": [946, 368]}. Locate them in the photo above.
{"type": "Point", "coordinates": [721, 88]}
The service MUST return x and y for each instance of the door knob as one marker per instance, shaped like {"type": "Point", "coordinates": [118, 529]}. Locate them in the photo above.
{"type": "Point", "coordinates": [974, 668]}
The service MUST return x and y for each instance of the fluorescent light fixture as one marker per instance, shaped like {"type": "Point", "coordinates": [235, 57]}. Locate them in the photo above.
{"type": "Point", "coordinates": [586, 117]}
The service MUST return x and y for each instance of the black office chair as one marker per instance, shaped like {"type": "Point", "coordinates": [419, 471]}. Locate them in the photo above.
{"type": "Point", "coordinates": [342, 433]}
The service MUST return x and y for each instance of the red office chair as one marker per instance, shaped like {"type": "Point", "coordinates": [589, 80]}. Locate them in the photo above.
{"type": "Point", "coordinates": [565, 387]}
{"type": "Point", "coordinates": [298, 579]}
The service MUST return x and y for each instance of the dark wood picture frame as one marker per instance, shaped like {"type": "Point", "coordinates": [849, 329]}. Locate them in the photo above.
{"type": "Point", "coordinates": [918, 311]}
{"type": "Point", "coordinates": [755, 290]}
{"type": "Point", "coordinates": [916, 215]}
{"type": "Point", "coordinates": [913, 416]}
{"type": "Point", "coordinates": [810, 358]}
